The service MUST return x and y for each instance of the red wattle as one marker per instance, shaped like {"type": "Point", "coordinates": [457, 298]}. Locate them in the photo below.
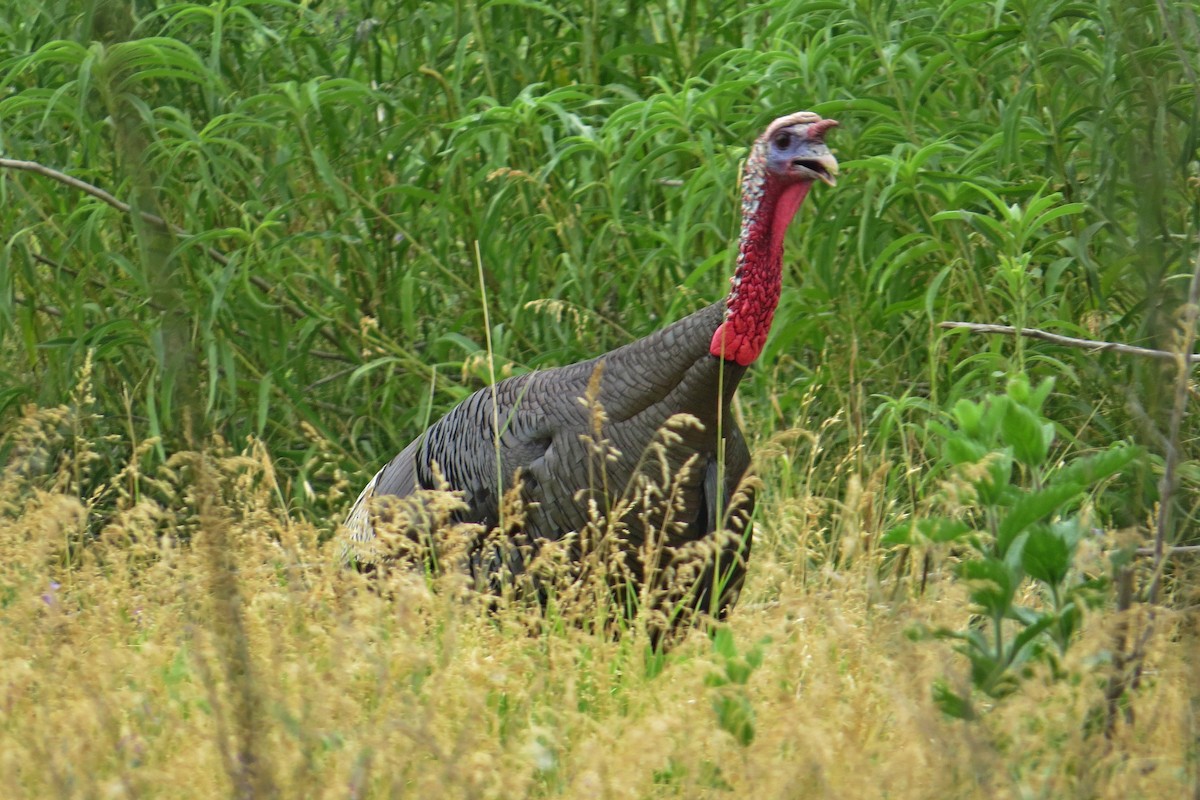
{"type": "Point", "coordinates": [751, 304]}
{"type": "Point", "coordinates": [726, 343]}
{"type": "Point", "coordinates": [742, 347]}
{"type": "Point", "coordinates": [785, 209]}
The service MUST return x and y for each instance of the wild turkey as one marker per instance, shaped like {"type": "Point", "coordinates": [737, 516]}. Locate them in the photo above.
{"type": "Point", "coordinates": [547, 445]}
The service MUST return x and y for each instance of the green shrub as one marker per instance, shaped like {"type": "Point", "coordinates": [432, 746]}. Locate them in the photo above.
{"type": "Point", "coordinates": [1022, 513]}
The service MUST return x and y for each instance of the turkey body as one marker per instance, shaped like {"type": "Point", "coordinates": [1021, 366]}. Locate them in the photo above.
{"type": "Point", "coordinates": [633, 453]}
{"type": "Point", "coordinates": [544, 448]}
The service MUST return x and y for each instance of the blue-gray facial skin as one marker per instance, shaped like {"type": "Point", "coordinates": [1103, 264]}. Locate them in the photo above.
{"type": "Point", "coordinates": [792, 152]}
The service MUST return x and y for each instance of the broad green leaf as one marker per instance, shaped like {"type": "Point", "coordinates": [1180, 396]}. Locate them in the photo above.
{"type": "Point", "coordinates": [1032, 507]}
{"type": "Point", "coordinates": [936, 530]}
{"type": "Point", "coordinates": [1046, 557]}
{"type": "Point", "coordinates": [992, 584]}
{"type": "Point", "coordinates": [952, 703]}
{"type": "Point", "coordinates": [735, 716]}
{"type": "Point", "coordinates": [1025, 643]}
{"type": "Point", "coordinates": [969, 416]}
{"type": "Point", "coordinates": [1027, 435]}
{"type": "Point", "coordinates": [1091, 469]}
{"type": "Point", "coordinates": [961, 450]}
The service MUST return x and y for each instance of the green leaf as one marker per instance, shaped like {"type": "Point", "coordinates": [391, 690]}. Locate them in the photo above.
{"type": "Point", "coordinates": [961, 450]}
{"type": "Point", "coordinates": [900, 535]}
{"type": "Point", "coordinates": [935, 529]}
{"type": "Point", "coordinates": [735, 716]}
{"type": "Point", "coordinates": [995, 487]}
{"type": "Point", "coordinates": [1031, 507]}
{"type": "Point", "coordinates": [969, 417]}
{"type": "Point", "coordinates": [739, 671]}
{"type": "Point", "coordinates": [1040, 394]}
{"type": "Point", "coordinates": [1046, 557]}
{"type": "Point", "coordinates": [723, 643]}
{"type": "Point", "coordinates": [1049, 216]}
{"type": "Point", "coordinates": [951, 702]}
{"type": "Point", "coordinates": [1018, 389]}
{"type": "Point", "coordinates": [935, 285]}
{"type": "Point", "coordinates": [942, 530]}
{"type": "Point", "coordinates": [328, 178]}
{"type": "Point", "coordinates": [1091, 469]}
{"type": "Point", "coordinates": [1025, 644]}
{"type": "Point", "coordinates": [992, 584]}
{"type": "Point", "coordinates": [1027, 435]}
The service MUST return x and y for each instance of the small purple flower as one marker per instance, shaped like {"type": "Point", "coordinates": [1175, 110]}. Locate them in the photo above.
{"type": "Point", "coordinates": [48, 598]}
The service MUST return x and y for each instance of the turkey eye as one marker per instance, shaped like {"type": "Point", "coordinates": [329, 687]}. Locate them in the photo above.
{"type": "Point", "coordinates": [783, 140]}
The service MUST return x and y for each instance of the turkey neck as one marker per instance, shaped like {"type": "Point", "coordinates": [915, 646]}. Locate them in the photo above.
{"type": "Point", "coordinates": [768, 206]}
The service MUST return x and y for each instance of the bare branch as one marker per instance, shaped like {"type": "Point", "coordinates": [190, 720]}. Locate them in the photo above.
{"type": "Point", "coordinates": [62, 177]}
{"type": "Point", "coordinates": [53, 311]}
{"type": "Point", "coordinates": [1170, 480]}
{"type": "Point", "coordinates": [1127, 667]}
{"type": "Point", "coordinates": [1069, 341]}
{"type": "Point", "coordinates": [100, 194]}
{"type": "Point", "coordinates": [1181, 550]}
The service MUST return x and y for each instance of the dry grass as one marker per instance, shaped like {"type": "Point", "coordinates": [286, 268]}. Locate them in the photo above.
{"type": "Point", "coordinates": [201, 642]}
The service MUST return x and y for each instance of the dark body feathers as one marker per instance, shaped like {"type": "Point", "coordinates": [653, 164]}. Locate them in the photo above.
{"type": "Point", "coordinates": [545, 421]}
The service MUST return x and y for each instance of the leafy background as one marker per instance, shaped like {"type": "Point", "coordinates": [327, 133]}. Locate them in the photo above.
{"type": "Point", "coordinates": [358, 190]}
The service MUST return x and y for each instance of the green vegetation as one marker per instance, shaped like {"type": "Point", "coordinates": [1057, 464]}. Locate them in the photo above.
{"type": "Point", "coordinates": [1009, 527]}
{"type": "Point", "coordinates": [351, 189]}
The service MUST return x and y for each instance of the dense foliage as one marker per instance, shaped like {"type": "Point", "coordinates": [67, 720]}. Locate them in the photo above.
{"type": "Point", "coordinates": [371, 208]}
{"type": "Point", "coordinates": [360, 167]}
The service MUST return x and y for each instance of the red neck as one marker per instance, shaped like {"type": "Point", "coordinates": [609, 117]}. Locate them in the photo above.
{"type": "Point", "coordinates": [767, 209]}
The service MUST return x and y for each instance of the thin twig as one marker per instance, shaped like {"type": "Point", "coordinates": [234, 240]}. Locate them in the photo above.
{"type": "Point", "coordinates": [1169, 481]}
{"type": "Point", "coordinates": [1070, 341]}
{"type": "Point", "coordinates": [1127, 667]}
{"type": "Point", "coordinates": [336, 376]}
{"type": "Point", "coordinates": [62, 177]}
{"type": "Point", "coordinates": [100, 194]}
{"type": "Point", "coordinates": [1179, 550]}
{"type": "Point", "coordinates": [53, 311]}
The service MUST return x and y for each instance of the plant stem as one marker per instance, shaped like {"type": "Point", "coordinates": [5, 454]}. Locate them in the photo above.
{"type": "Point", "coordinates": [1069, 341]}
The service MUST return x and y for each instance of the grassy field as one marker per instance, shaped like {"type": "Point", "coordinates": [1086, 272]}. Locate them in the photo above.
{"type": "Point", "coordinates": [946, 597]}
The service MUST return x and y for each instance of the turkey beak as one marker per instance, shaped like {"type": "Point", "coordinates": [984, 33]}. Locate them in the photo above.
{"type": "Point", "coordinates": [814, 157]}
{"type": "Point", "coordinates": [821, 166]}
{"type": "Point", "coordinates": [829, 169]}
